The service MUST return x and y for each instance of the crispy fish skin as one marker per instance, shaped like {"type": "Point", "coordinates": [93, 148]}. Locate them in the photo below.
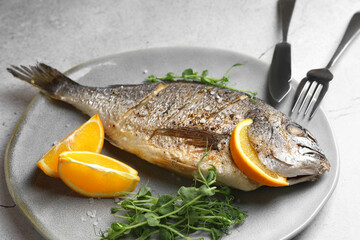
{"type": "Point", "coordinates": [171, 125]}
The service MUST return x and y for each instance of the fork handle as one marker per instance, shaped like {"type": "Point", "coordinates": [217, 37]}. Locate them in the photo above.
{"type": "Point", "coordinates": [349, 35]}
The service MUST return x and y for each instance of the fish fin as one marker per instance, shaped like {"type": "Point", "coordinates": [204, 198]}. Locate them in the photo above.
{"type": "Point", "coordinates": [197, 137]}
{"type": "Point", "coordinates": [203, 143]}
{"type": "Point", "coordinates": [43, 77]}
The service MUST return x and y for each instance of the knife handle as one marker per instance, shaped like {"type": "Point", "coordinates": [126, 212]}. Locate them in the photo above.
{"type": "Point", "coordinates": [286, 8]}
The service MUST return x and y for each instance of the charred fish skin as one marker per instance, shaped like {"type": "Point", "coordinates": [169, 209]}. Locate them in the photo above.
{"type": "Point", "coordinates": [172, 124]}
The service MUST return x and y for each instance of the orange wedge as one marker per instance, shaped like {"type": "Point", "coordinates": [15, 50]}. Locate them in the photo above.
{"type": "Point", "coordinates": [96, 175]}
{"type": "Point", "coordinates": [246, 158]}
{"type": "Point", "coordinates": [88, 137]}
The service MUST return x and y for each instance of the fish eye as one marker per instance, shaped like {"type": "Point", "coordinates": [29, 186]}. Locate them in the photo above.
{"type": "Point", "coordinates": [295, 129]}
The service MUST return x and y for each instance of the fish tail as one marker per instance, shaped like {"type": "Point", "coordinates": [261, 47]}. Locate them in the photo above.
{"type": "Point", "coordinates": [45, 78]}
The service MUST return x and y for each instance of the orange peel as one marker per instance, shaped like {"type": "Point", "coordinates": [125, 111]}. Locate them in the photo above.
{"type": "Point", "coordinates": [88, 137]}
{"type": "Point", "coordinates": [96, 175]}
{"type": "Point", "coordinates": [247, 160]}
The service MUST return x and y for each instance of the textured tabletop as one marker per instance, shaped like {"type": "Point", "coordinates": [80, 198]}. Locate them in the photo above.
{"type": "Point", "coordinates": [66, 33]}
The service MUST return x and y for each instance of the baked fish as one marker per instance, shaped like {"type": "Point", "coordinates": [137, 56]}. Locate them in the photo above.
{"type": "Point", "coordinates": [172, 124]}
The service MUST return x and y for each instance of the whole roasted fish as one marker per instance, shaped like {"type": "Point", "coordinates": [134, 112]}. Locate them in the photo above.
{"type": "Point", "coordinates": [172, 124]}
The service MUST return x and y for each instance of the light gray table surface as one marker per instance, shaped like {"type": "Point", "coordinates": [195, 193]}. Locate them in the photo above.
{"type": "Point", "coordinates": [66, 33]}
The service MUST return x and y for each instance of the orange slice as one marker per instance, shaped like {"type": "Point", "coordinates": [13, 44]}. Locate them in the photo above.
{"type": "Point", "coordinates": [88, 137]}
{"type": "Point", "coordinates": [96, 175]}
{"type": "Point", "coordinates": [246, 158]}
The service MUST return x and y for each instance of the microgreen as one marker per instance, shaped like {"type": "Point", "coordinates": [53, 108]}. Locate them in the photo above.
{"type": "Point", "coordinates": [190, 75]}
{"type": "Point", "coordinates": [207, 209]}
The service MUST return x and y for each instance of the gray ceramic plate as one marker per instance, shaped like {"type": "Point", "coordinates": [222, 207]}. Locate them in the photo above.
{"type": "Point", "coordinates": [59, 213]}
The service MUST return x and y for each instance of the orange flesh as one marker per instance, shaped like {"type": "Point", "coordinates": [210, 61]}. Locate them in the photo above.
{"type": "Point", "coordinates": [88, 137]}
{"type": "Point", "coordinates": [246, 158]}
{"type": "Point", "coordinates": [96, 175]}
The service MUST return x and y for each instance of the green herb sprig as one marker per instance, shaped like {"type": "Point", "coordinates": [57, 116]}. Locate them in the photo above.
{"type": "Point", "coordinates": [176, 217]}
{"type": "Point", "coordinates": [190, 75]}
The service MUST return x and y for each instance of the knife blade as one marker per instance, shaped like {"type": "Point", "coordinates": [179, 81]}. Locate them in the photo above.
{"type": "Point", "coordinates": [280, 69]}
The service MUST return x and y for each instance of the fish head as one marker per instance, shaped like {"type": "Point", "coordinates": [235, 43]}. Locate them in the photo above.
{"type": "Point", "coordinates": [285, 147]}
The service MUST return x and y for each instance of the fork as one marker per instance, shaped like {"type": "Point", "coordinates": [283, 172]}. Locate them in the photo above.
{"type": "Point", "coordinates": [314, 86]}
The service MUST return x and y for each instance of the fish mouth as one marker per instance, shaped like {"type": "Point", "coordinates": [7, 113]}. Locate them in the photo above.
{"type": "Point", "coordinates": [303, 173]}
{"type": "Point", "coordinates": [311, 154]}
{"type": "Point", "coordinates": [302, 178]}
{"type": "Point", "coordinates": [305, 162]}
{"type": "Point", "coordinates": [308, 167]}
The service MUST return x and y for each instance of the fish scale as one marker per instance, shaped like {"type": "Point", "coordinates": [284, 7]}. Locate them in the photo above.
{"type": "Point", "coordinates": [172, 124]}
{"type": "Point", "coordinates": [160, 109]}
{"type": "Point", "coordinates": [201, 114]}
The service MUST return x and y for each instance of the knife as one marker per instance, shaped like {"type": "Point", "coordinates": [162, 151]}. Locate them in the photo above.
{"type": "Point", "coordinates": [280, 69]}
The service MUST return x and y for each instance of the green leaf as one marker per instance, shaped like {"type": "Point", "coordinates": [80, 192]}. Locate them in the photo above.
{"type": "Point", "coordinates": [206, 191]}
{"type": "Point", "coordinates": [164, 204]}
{"type": "Point", "coordinates": [193, 218]}
{"type": "Point", "coordinates": [166, 209]}
{"type": "Point", "coordinates": [225, 190]}
{"type": "Point", "coordinates": [152, 219]}
{"type": "Point", "coordinates": [139, 218]}
{"type": "Point", "coordinates": [164, 199]}
{"type": "Point", "coordinates": [187, 72]}
{"type": "Point", "coordinates": [191, 76]}
{"type": "Point", "coordinates": [216, 233]}
{"type": "Point", "coordinates": [118, 226]}
{"type": "Point", "coordinates": [235, 213]}
{"type": "Point", "coordinates": [200, 211]}
{"type": "Point", "coordinates": [114, 209]}
{"type": "Point", "coordinates": [151, 78]}
{"type": "Point", "coordinates": [165, 234]}
{"type": "Point", "coordinates": [143, 193]}
{"type": "Point", "coordinates": [127, 204]}
{"type": "Point", "coordinates": [188, 193]}
{"type": "Point", "coordinates": [182, 212]}
{"type": "Point", "coordinates": [130, 215]}
{"type": "Point", "coordinates": [204, 73]}
{"type": "Point", "coordinates": [169, 76]}
{"type": "Point", "coordinates": [142, 233]}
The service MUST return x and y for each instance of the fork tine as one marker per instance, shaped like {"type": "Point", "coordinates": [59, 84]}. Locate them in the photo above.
{"type": "Point", "coordinates": [307, 95]}
{"type": "Point", "coordinates": [299, 92]}
{"type": "Point", "coordinates": [319, 99]}
{"type": "Point", "coordinates": [313, 98]}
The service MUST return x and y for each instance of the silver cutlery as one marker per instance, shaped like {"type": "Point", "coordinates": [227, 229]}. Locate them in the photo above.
{"type": "Point", "coordinates": [280, 70]}
{"type": "Point", "coordinates": [314, 86]}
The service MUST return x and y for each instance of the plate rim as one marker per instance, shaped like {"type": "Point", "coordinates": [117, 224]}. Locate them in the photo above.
{"type": "Point", "coordinates": [303, 226]}
{"type": "Point", "coordinates": [12, 139]}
